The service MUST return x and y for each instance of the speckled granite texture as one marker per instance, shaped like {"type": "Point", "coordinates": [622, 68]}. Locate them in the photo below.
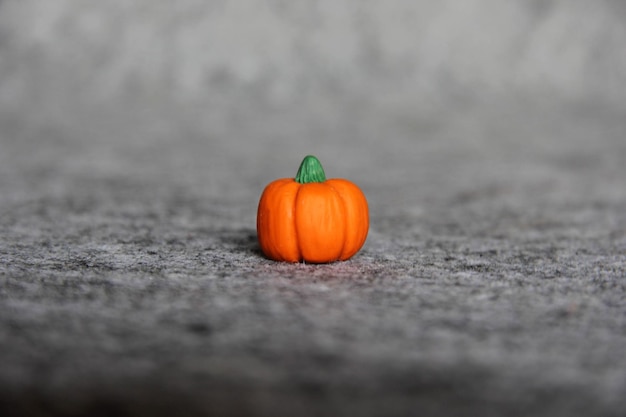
{"type": "Point", "coordinates": [135, 141]}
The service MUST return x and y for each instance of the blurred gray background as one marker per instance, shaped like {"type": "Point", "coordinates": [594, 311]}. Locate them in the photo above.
{"type": "Point", "coordinates": [136, 138]}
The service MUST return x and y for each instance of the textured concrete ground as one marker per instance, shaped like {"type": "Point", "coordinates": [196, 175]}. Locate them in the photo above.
{"type": "Point", "coordinates": [135, 142]}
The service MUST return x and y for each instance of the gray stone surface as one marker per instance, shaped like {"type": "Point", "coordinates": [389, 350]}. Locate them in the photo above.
{"type": "Point", "coordinates": [135, 141]}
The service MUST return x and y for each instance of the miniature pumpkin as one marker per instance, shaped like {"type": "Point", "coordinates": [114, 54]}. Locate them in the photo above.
{"type": "Point", "coordinates": [311, 219]}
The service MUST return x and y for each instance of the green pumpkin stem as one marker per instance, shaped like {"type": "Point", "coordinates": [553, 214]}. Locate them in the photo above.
{"type": "Point", "coordinates": [310, 171]}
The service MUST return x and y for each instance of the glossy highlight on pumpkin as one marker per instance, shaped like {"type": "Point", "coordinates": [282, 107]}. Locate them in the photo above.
{"type": "Point", "coordinates": [311, 219]}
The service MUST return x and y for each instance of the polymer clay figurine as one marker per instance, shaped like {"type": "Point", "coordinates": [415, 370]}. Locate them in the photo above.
{"type": "Point", "coordinates": [311, 219]}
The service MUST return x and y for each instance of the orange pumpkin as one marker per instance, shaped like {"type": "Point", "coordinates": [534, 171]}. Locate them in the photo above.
{"type": "Point", "coordinates": [311, 219]}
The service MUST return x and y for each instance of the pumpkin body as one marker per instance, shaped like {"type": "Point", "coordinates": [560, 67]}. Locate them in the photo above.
{"type": "Point", "coordinates": [314, 222]}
